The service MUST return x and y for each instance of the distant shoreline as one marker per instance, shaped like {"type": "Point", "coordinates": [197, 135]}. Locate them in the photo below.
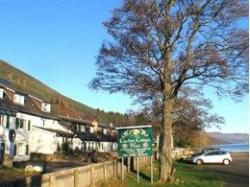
{"type": "Point", "coordinates": [232, 144]}
{"type": "Point", "coordinates": [236, 147]}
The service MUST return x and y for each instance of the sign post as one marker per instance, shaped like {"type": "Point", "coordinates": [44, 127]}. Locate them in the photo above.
{"type": "Point", "coordinates": [151, 169]}
{"type": "Point", "coordinates": [135, 141]}
{"type": "Point", "coordinates": [122, 168]}
{"type": "Point", "coordinates": [138, 169]}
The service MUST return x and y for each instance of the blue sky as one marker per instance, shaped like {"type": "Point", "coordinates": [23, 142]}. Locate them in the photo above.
{"type": "Point", "coordinates": [57, 42]}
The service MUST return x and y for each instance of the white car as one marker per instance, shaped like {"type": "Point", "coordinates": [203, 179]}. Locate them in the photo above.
{"type": "Point", "coordinates": [217, 156]}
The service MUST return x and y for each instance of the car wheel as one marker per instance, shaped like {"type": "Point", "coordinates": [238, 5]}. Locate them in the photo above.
{"type": "Point", "coordinates": [226, 162]}
{"type": "Point", "coordinates": [199, 162]}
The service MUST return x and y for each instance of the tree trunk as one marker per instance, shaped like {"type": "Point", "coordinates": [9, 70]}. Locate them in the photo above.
{"type": "Point", "coordinates": [167, 131]}
{"type": "Point", "coordinates": [167, 141]}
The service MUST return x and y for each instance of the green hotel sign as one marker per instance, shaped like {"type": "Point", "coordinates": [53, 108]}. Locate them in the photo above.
{"type": "Point", "coordinates": [135, 141]}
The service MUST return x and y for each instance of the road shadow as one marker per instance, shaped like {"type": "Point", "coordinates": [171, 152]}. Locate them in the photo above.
{"type": "Point", "coordinates": [142, 175]}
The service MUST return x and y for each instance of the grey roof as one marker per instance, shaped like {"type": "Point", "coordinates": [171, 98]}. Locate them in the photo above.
{"type": "Point", "coordinates": [6, 83]}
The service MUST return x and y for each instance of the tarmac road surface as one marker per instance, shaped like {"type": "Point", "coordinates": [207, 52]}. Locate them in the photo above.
{"type": "Point", "coordinates": [237, 173]}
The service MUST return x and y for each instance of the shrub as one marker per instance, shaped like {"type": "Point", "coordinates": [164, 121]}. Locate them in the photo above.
{"type": "Point", "coordinates": [65, 147]}
{"type": "Point", "coordinates": [182, 142]}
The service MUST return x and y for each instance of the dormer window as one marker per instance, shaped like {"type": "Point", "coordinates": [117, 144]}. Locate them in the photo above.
{"type": "Point", "coordinates": [19, 99]}
{"type": "Point", "coordinates": [91, 129]}
{"type": "Point", "coordinates": [1, 93]}
{"type": "Point", "coordinates": [83, 128]}
{"type": "Point", "coordinates": [46, 107]}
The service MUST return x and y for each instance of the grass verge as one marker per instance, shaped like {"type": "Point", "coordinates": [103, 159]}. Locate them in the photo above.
{"type": "Point", "coordinates": [186, 175]}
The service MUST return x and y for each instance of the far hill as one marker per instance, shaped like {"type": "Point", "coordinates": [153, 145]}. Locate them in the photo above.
{"type": "Point", "coordinates": [228, 138]}
{"type": "Point", "coordinates": [61, 104]}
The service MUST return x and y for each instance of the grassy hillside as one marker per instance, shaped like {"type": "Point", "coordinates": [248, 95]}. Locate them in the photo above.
{"type": "Point", "coordinates": [61, 104]}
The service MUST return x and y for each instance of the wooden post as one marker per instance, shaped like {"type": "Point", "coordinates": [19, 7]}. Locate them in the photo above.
{"type": "Point", "coordinates": [129, 163]}
{"type": "Point", "coordinates": [51, 181]}
{"type": "Point", "coordinates": [27, 181]}
{"type": "Point", "coordinates": [105, 171]}
{"type": "Point", "coordinates": [92, 174]}
{"type": "Point", "coordinates": [137, 170]}
{"type": "Point", "coordinates": [115, 168]}
{"type": "Point", "coordinates": [76, 177]}
{"type": "Point", "coordinates": [152, 169]}
{"type": "Point", "coordinates": [122, 167]}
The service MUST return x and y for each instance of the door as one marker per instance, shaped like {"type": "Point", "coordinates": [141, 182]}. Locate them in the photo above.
{"type": "Point", "coordinates": [2, 151]}
{"type": "Point", "coordinates": [212, 157]}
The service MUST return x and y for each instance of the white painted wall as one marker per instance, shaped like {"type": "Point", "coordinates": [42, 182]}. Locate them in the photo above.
{"type": "Point", "coordinates": [43, 141]}
{"type": "Point", "coordinates": [38, 140]}
{"type": "Point", "coordinates": [76, 143]}
{"type": "Point", "coordinates": [21, 139]}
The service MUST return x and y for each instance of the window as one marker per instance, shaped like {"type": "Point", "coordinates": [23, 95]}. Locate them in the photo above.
{"type": "Point", "coordinates": [21, 149]}
{"type": "Point", "coordinates": [1, 93]}
{"type": "Point", "coordinates": [84, 146]}
{"type": "Point", "coordinates": [27, 149]}
{"type": "Point", "coordinates": [1, 120]}
{"type": "Point", "coordinates": [46, 107]}
{"type": "Point", "coordinates": [222, 153]}
{"type": "Point", "coordinates": [14, 151]}
{"type": "Point", "coordinates": [43, 122]}
{"type": "Point", "coordinates": [91, 129]}
{"type": "Point", "coordinates": [29, 125]}
{"type": "Point", "coordinates": [8, 122]}
{"type": "Point", "coordinates": [82, 128]}
{"type": "Point", "coordinates": [76, 127]}
{"type": "Point", "coordinates": [212, 153]}
{"type": "Point", "coordinates": [19, 99]}
{"type": "Point", "coordinates": [19, 123]}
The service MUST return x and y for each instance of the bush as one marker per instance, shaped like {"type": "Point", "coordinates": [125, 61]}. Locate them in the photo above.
{"type": "Point", "coordinates": [182, 142]}
{"type": "Point", "coordinates": [58, 148]}
{"type": "Point", "coordinates": [65, 147]}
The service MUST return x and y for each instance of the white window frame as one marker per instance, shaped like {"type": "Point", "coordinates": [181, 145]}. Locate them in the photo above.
{"type": "Point", "coordinates": [1, 93]}
{"type": "Point", "coordinates": [19, 99]}
{"type": "Point", "coordinates": [82, 128]}
{"type": "Point", "coordinates": [1, 120]}
{"type": "Point", "coordinates": [46, 107]}
{"type": "Point", "coordinates": [91, 129]}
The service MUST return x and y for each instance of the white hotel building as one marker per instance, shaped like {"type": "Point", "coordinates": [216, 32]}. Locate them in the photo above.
{"type": "Point", "coordinates": [29, 125]}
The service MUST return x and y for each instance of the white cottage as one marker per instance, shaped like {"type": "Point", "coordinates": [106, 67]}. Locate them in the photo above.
{"type": "Point", "coordinates": [27, 125]}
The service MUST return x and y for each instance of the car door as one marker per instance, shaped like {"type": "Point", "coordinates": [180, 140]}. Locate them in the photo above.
{"type": "Point", "coordinates": [221, 156]}
{"type": "Point", "coordinates": [211, 157]}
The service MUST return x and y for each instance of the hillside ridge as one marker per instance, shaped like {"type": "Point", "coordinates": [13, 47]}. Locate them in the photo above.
{"type": "Point", "coordinates": [24, 82]}
{"type": "Point", "coordinates": [229, 138]}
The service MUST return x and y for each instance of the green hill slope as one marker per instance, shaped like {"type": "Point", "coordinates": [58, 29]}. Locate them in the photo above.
{"type": "Point", "coordinates": [60, 104]}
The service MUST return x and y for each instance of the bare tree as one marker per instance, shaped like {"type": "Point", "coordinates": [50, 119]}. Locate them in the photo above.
{"type": "Point", "coordinates": [160, 48]}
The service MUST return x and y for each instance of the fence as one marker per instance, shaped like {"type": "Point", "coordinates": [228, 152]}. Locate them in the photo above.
{"type": "Point", "coordinates": [84, 176]}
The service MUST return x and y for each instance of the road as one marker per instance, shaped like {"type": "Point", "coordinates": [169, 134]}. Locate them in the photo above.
{"type": "Point", "coordinates": [237, 173]}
